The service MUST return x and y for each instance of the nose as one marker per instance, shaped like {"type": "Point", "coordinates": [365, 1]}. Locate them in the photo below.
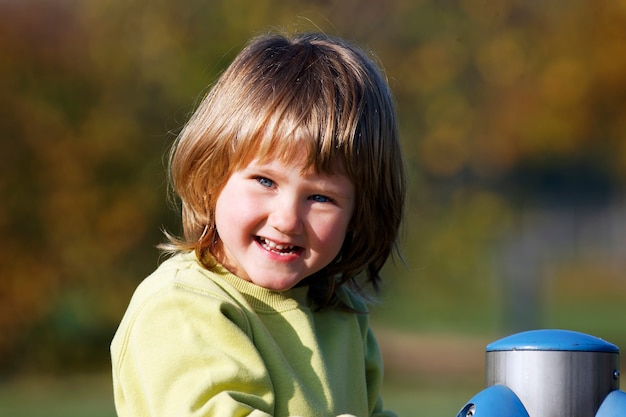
{"type": "Point", "coordinates": [286, 216]}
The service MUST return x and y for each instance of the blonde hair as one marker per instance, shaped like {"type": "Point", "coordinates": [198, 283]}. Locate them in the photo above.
{"type": "Point", "coordinates": [281, 95]}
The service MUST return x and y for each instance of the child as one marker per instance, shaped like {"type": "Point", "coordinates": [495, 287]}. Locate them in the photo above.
{"type": "Point", "coordinates": [292, 187]}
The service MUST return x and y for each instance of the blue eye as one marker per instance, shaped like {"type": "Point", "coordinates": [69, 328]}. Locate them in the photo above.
{"type": "Point", "coordinates": [265, 182]}
{"type": "Point", "coordinates": [320, 198]}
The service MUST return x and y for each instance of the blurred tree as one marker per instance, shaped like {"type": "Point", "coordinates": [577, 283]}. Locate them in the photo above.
{"type": "Point", "coordinates": [93, 93]}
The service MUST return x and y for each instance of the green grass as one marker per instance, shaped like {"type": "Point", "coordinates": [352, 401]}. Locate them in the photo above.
{"type": "Point", "coordinates": [75, 396]}
{"type": "Point", "coordinates": [82, 396]}
{"type": "Point", "coordinates": [428, 398]}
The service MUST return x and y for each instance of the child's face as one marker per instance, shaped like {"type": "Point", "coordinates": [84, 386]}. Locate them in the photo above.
{"type": "Point", "coordinates": [277, 225]}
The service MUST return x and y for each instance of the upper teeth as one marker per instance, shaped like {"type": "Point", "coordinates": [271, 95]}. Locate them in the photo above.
{"type": "Point", "coordinates": [277, 246]}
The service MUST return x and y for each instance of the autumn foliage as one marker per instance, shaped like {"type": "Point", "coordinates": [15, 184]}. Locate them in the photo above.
{"type": "Point", "coordinates": [93, 92]}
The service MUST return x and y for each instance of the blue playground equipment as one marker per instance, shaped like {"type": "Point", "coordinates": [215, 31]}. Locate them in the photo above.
{"type": "Point", "coordinates": [550, 373]}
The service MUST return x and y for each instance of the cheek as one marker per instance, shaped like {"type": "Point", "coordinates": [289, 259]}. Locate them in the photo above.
{"type": "Point", "coordinates": [236, 211]}
{"type": "Point", "coordinates": [225, 210]}
{"type": "Point", "coordinates": [332, 234]}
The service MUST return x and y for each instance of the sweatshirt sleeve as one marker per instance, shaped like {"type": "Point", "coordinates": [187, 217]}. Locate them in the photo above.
{"type": "Point", "coordinates": [374, 368]}
{"type": "Point", "coordinates": [180, 353]}
{"type": "Point", "coordinates": [374, 375]}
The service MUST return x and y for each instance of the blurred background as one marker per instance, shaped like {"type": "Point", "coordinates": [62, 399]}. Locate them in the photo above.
{"type": "Point", "coordinates": [513, 122]}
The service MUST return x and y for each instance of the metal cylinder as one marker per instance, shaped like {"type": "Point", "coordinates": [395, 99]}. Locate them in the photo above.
{"type": "Point", "coordinates": [555, 373]}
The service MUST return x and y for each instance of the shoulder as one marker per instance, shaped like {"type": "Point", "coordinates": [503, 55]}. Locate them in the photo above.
{"type": "Point", "coordinates": [181, 274]}
{"type": "Point", "coordinates": [358, 305]}
{"type": "Point", "coordinates": [351, 299]}
{"type": "Point", "coordinates": [182, 291]}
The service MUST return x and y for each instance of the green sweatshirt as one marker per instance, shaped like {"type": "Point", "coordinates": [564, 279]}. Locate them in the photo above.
{"type": "Point", "coordinates": [195, 342]}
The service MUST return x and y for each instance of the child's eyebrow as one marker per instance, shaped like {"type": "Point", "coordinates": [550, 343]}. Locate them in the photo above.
{"type": "Point", "coordinates": [328, 184]}
{"type": "Point", "coordinates": [261, 168]}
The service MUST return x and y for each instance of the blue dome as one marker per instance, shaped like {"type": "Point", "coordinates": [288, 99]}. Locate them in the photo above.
{"type": "Point", "coordinates": [557, 340]}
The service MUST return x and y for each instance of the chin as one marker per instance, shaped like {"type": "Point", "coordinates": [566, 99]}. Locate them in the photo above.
{"type": "Point", "coordinates": [281, 285]}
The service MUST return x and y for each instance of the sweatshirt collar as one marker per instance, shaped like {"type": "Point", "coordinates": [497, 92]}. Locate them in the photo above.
{"type": "Point", "coordinates": [260, 299]}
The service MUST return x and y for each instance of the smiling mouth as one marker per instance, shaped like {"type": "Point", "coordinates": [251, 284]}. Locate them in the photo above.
{"type": "Point", "coordinates": [277, 248]}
